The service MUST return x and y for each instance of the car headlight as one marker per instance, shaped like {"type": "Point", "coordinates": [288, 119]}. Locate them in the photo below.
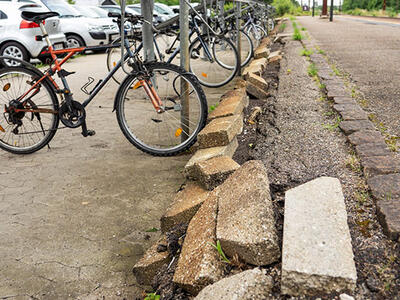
{"type": "Point", "coordinates": [92, 27]}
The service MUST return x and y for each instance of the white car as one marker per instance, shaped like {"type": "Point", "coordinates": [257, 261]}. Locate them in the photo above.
{"type": "Point", "coordinates": [23, 39]}
{"type": "Point", "coordinates": [79, 30]}
{"type": "Point", "coordinates": [110, 28]}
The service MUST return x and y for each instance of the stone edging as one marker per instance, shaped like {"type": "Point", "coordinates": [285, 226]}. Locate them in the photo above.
{"type": "Point", "coordinates": [210, 165]}
{"type": "Point", "coordinates": [381, 166]}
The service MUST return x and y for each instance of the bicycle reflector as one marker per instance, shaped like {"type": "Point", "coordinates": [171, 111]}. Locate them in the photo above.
{"type": "Point", "coordinates": [204, 74]}
{"type": "Point", "coordinates": [178, 132]}
{"type": "Point", "coordinates": [2, 129]}
{"type": "Point", "coordinates": [6, 87]}
{"type": "Point", "coordinates": [137, 85]}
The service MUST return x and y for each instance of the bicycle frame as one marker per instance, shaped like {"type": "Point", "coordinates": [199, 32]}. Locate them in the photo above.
{"type": "Point", "coordinates": [62, 74]}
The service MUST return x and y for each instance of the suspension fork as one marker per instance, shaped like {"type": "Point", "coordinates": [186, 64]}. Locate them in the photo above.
{"type": "Point", "coordinates": [152, 93]}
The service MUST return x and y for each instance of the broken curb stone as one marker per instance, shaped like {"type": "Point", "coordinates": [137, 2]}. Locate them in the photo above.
{"type": "Point", "coordinates": [146, 268]}
{"type": "Point", "coordinates": [184, 206]}
{"type": "Point", "coordinates": [220, 132]}
{"type": "Point", "coordinates": [199, 264]}
{"type": "Point", "coordinates": [246, 222]}
{"type": "Point", "coordinates": [207, 153]}
{"type": "Point", "coordinates": [317, 253]}
{"type": "Point", "coordinates": [248, 285]}
{"type": "Point", "coordinates": [214, 171]}
{"type": "Point", "coordinates": [365, 137]}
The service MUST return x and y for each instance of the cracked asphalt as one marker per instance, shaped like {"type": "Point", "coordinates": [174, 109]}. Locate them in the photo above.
{"type": "Point", "coordinates": [368, 50]}
{"type": "Point", "coordinates": [74, 219]}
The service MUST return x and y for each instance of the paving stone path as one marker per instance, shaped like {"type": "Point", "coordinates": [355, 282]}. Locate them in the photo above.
{"type": "Point", "coordinates": [73, 219]}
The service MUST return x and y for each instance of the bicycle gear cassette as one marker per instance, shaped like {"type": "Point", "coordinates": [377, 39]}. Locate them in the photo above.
{"type": "Point", "coordinates": [72, 115]}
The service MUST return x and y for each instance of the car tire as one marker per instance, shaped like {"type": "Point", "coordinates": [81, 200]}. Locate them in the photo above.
{"type": "Point", "coordinates": [74, 41]}
{"type": "Point", "coordinates": [14, 50]}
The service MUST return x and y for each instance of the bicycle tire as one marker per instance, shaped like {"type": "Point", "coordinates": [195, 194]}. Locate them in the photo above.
{"type": "Point", "coordinates": [207, 74]}
{"type": "Point", "coordinates": [255, 36]}
{"type": "Point", "coordinates": [149, 131]}
{"type": "Point", "coordinates": [12, 76]}
{"type": "Point", "coordinates": [247, 50]}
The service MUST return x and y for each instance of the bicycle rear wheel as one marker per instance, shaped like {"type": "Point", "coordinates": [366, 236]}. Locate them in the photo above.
{"type": "Point", "coordinates": [176, 128]}
{"type": "Point", "coordinates": [215, 65]}
{"type": "Point", "coordinates": [28, 124]}
{"type": "Point", "coordinates": [247, 49]}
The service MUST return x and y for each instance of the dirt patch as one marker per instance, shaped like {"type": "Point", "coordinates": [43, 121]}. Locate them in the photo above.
{"type": "Point", "coordinates": [297, 138]}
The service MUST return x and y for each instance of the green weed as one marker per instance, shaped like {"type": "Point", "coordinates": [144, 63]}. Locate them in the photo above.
{"type": "Point", "coordinates": [297, 35]}
{"type": "Point", "coordinates": [220, 252]}
{"type": "Point", "coordinates": [312, 70]}
{"type": "Point", "coordinates": [353, 163]}
{"type": "Point", "coordinates": [333, 126]}
{"type": "Point", "coordinates": [320, 51]}
{"type": "Point", "coordinates": [152, 230]}
{"type": "Point", "coordinates": [282, 27]}
{"type": "Point", "coordinates": [303, 29]}
{"type": "Point", "coordinates": [306, 52]}
{"type": "Point", "coordinates": [152, 296]}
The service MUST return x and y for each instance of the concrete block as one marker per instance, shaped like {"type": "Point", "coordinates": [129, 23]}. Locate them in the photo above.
{"type": "Point", "coordinates": [184, 207]}
{"type": "Point", "coordinates": [275, 57]}
{"type": "Point", "coordinates": [344, 100]}
{"type": "Point", "coordinates": [384, 187]}
{"type": "Point", "coordinates": [372, 149]}
{"type": "Point", "coordinates": [229, 106]}
{"type": "Point", "coordinates": [248, 285]}
{"type": "Point", "coordinates": [261, 51]}
{"type": "Point", "coordinates": [388, 212]}
{"type": "Point", "coordinates": [258, 82]}
{"type": "Point", "coordinates": [199, 264]}
{"type": "Point", "coordinates": [220, 132]}
{"type": "Point", "coordinates": [246, 222]}
{"type": "Point", "coordinates": [256, 91]}
{"type": "Point", "coordinates": [377, 165]}
{"type": "Point", "coordinates": [251, 69]}
{"type": "Point", "coordinates": [317, 253]}
{"type": "Point", "coordinates": [349, 127]}
{"type": "Point", "coordinates": [365, 137]}
{"type": "Point", "coordinates": [146, 268]}
{"type": "Point", "coordinates": [207, 153]}
{"type": "Point", "coordinates": [214, 171]}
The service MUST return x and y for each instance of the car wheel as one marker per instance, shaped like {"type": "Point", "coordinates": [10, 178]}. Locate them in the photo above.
{"type": "Point", "coordinates": [74, 41]}
{"type": "Point", "coordinates": [13, 50]}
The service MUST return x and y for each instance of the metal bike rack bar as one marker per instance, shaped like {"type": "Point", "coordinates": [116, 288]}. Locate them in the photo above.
{"type": "Point", "coordinates": [184, 61]}
{"type": "Point", "coordinates": [238, 36]}
{"type": "Point", "coordinates": [147, 7]}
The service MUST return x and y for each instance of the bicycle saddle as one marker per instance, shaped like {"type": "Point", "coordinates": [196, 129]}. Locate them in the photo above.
{"type": "Point", "coordinates": [37, 17]}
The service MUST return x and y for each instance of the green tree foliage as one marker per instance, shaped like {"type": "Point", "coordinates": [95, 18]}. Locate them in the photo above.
{"type": "Point", "coordinates": [286, 7]}
{"type": "Point", "coordinates": [369, 4]}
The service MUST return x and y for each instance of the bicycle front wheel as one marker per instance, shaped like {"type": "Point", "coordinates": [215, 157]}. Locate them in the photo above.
{"type": "Point", "coordinates": [114, 57]}
{"type": "Point", "coordinates": [30, 117]}
{"type": "Point", "coordinates": [214, 60]}
{"type": "Point", "coordinates": [184, 110]}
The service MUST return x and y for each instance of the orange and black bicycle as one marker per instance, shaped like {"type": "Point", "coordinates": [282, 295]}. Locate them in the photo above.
{"type": "Point", "coordinates": [160, 107]}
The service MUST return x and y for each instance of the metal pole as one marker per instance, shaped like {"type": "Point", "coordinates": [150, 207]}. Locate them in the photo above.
{"type": "Point", "coordinates": [331, 12]}
{"type": "Point", "coordinates": [313, 8]}
{"type": "Point", "coordinates": [184, 60]}
{"type": "Point", "coordinates": [147, 13]}
{"type": "Point", "coordinates": [238, 36]}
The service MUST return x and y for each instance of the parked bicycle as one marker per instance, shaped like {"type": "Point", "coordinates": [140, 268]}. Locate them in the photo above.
{"type": "Point", "coordinates": [213, 57]}
{"type": "Point", "coordinates": [160, 107]}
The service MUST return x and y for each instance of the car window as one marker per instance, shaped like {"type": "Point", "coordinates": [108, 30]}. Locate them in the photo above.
{"type": "Point", "coordinates": [2, 15]}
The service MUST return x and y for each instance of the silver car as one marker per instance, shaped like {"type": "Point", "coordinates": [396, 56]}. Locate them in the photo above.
{"type": "Point", "coordinates": [23, 39]}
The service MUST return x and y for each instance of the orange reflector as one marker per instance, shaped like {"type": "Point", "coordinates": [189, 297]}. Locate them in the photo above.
{"type": "Point", "coordinates": [178, 132]}
{"type": "Point", "coordinates": [6, 87]}
{"type": "Point", "coordinates": [2, 129]}
{"type": "Point", "coordinates": [204, 75]}
{"type": "Point", "coordinates": [137, 85]}
{"type": "Point", "coordinates": [114, 63]}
